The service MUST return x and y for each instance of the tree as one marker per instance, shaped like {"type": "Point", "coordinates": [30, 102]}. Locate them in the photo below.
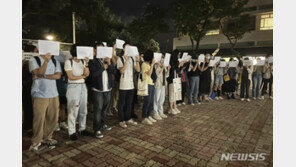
{"type": "Point", "coordinates": [232, 22]}
{"type": "Point", "coordinates": [193, 18]}
{"type": "Point", "coordinates": [145, 27]}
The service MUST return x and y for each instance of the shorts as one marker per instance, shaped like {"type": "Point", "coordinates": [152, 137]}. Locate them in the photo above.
{"type": "Point", "coordinates": [219, 80]}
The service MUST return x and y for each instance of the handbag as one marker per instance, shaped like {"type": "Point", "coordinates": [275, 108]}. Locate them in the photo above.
{"type": "Point", "coordinates": [142, 86]}
{"type": "Point", "coordinates": [177, 84]}
{"type": "Point", "coordinates": [226, 78]}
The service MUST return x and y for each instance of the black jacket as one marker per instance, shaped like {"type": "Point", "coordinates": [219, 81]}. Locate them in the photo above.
{"type": "Point", "coordinates": [96, 68]}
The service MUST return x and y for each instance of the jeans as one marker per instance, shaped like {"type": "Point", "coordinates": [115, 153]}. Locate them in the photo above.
{"type": "Point", "coordinates": [245, 88]}
{"type": "Point", "coordinates": [148, 102]}
{"type": "Point", "coordinates": [265, 82]}
{"type": "Point", "coordinates": [77, 106]}
{"type": "Point", "coordinates": [101, 103]}
{"type": "Point", "coordinates": [257, 79]}
{"type": "Point", "coordinates": [125, 104]}
{"type": "Point", "coordinates": [194, 88]}
{"type": "Point", "coordinates": [159, 97]}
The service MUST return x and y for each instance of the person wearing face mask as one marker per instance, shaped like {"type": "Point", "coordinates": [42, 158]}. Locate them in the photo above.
{"type": "Point", "coordinates": [194, 81]}
{"type": "Point", "coordinates": [205, 79]}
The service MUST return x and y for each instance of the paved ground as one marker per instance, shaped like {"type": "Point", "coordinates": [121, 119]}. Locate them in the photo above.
{"type": "Point", "coordinates": [196, 137]}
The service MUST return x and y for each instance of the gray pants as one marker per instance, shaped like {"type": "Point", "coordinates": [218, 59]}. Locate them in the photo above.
{"type": "Point", "coordinates": [77, 103]}
{"type": "Point", "coordinates": [159, 97]}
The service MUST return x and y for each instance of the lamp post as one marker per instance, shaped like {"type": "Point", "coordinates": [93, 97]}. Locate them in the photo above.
{"type": "Point", "coordinates": [73, 21]}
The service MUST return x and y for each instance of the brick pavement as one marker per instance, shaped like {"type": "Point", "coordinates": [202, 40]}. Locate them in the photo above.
{"type": "Point", "coordinates": [196, 137]}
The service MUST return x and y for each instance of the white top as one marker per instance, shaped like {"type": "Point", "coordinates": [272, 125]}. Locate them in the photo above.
{"type": "Point", "coordinates": [126, 79]}
{"type": "Point", "coordinates": [77, 70]}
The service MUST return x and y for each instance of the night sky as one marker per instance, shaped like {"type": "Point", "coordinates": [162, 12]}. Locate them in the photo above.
{"type": "Point", "coordinates": [126, 9]}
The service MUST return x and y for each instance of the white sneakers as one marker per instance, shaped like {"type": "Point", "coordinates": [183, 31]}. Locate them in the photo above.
{"type": "Point", "coordinates": [163, 116]}
{"type": "Point", "coordinates": [248, 100]}
{"type": "Point", "coordinates": [64, 125]}
{"type": "Point", "coordinates": [151, 119]}
{"type": "Point", "coordinates": [242, 99]}
{"type": "Point", "coordinates": [146, 121]}
{"type": "Point", "coordinates": [254, 98]}
{"type": "Point", "coordinates": [122, 124]}
{"type": "Point", "coordinates": [34, 147]}
{"type": "Point", "coordinates": [177, 110]}
{"type": "Point", "coordinates": [172, 111]}
{"type": "Point", "coordinates": [270, 97]}
{"type": "Point", "coordinates": [184, 103]}
{"type": "Point", "coordinates": [217, 98]}
{"type": "Point", "coordinates": [132, 122]}
{"type": "Point", "coordinates": [221, 98]}
{"type": "Point", "coordinates": [157, 117]}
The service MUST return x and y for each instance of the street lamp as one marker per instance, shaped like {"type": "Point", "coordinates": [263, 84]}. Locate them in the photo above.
{"type": "Point", "coordinates": [49, 37]}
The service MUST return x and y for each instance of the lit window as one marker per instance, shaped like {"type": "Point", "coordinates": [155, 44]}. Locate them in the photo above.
{"type": "Point", "coordinates": [213, 32]}
{"type": "Point", "coordinates": [266, 22]}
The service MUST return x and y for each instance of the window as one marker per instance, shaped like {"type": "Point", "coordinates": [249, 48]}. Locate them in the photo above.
{"type": "Point", "coordinates": [266, 21]}
{"type": "Point", "coordinates": [213, 32]}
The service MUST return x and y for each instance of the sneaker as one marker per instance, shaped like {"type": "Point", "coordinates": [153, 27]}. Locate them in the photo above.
{"type": "Point", "coordinates": [177, 110]}
{"type": "Point", "coordinates": [270, 97]}
{"type": "Point", "coordinates": [262, 97]}
{"type": "Point", "coordinates": [157, 117]}
{"type": "Point", "coordinates": [50, 142]}
{"type": "Point", "coordinates": [192, 104]}
{"type": "Point", "coordinates": [98, 134]}
{"type": "Point", "coordinates": [184, 103]}
{"type": "Point", "coordinates": [179, 104]}
{"type": "Point", "coordinates": [34, 147]}
{"type": "Point", "coordinates": [146, 121]}
{"type": "Point", "coordinates": [106, 128]}
{"type": "Point", "coordinates": [242, 99]}
{"type": "Point", "coordinates": [254, 98]}
{"type": "Point", "coordinates": [132, 122]}
{"type": "Point", "coordinates": [57, 128]}
{"type": "Point", "coordinates": [217, 98]}
{"type": "Point", "coordinates": [221, 98]}
{"type": "Point", "coordinates": [73, 137]}
{"type": "Point", "coordinates": [163, 116]}
{"type": "Point", "coordinates": [151, 119]}
{"type": "Point", "coordinates": [122, 124]}
{"type": "Point", "coordinates": [248, 100]}
{"type": "Point", "coordinates": [85, 133]}
{"type": "Point", "coordinates": [172, 111]}
{"type": "Point", "coordinates": [210, 99]}
{"type": "Point", "coordinates": [64, 125]}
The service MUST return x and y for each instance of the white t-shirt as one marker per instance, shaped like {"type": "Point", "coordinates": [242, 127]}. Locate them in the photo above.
{"type": "Point", "coordinates": [77, 70]}
{"type": "Point", "coordinates": [126, 79]}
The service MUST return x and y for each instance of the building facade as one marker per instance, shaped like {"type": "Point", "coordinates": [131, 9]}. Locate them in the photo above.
{"type": "Point", "coordinates": [257, 42]}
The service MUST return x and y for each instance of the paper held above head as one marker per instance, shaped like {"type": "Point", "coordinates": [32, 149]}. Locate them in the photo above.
{"type": "Point", "coordinates": [212, 63]}
{"type": "Point", "coordinates": [51, 47]}
{"type": "Point", "coordinates": [233, 63]}
{"type": "Point", "coordinates": [222, 64]}
{"type": "Point", "coordinates": [103, 52]}
{"type": "Point", "coordinates": [119, 43]}
{"type": "Point", "coordinates": [184, 56]}
{"type": "Point", "coordinates": [104, 43]}
{"type": "Point", "coordinates": [270, 59]}
{"type": "Point", "coordinates": [84, 52]}
{"type": "Point", "coordinates": [201, 58]}
{"type": "Point", "coordinates": [247, 62]}
{"type": "Point", "coordinates": [131, 51]}
{"type": "Point", "coordinates": [167, 58]}
{"type": "Point", "coordinates": [217, 59]}
{"type": "Point", "coordinates": [157, 57]}
{"type": "Point", "coordinates": [260, 62]}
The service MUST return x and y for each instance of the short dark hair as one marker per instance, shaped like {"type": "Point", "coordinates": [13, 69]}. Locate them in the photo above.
{"type": "Point", "coordinates": [174, 58]}
{"type": "Point", "coordinates": [73, 50]}
{"type": "Point", "coordinates": [29, 48]}
{"type": "Point", "coordinates": [148, 56]}
{"type": "Point", "coordinates": [125, 43]}
{"type": "Point", "coordinates": [97, 43]}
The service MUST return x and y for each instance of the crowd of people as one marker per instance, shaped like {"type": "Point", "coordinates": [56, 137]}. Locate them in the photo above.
{"type": "Point", "coordinates": [110, 85]}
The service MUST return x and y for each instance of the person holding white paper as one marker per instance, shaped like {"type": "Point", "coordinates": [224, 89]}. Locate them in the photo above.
{"type": "Point", "coordinates": [174, 73]}
{"type": "Point", "coordinates": [77, 70]}
{"type": "Point", "coordinates": [126, 65]}
{"type": "Point", "coordinates": [246, 78]}
{"type": "Point", "coordinates": [231, 85]}
{"type": "Point", "coordinates": [162, 73]}
{"type": "Point", "coordinates": [257, 80]}
{"type": "Point", "coordinates": [219, 80]}
{"type": "Point", "coordinates": [205, 79]}
{"type": "Point", "coordinates": [194, 82]}
{"type": "Point", "coordinates": [46, 70]}
{"type": "Point", "coordinates": [267, 79]}
{"type": "Point", "coordinates": [101, 83]}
